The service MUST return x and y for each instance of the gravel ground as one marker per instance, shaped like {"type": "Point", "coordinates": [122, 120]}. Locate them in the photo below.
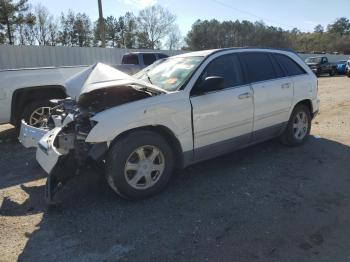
{"type": "Point", "coordinates": [264, 203]}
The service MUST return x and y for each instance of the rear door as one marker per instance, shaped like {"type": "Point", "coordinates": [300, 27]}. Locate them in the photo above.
{"type": "Point", "coordinates": [303, 85]}
{"type": "Point", "coordinates": [273, 93]}
{"type": "Point", "coordinates": [223, 119]}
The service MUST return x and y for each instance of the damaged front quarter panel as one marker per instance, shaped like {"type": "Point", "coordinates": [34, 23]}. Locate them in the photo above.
{"type": "Point", "coordinates": [64, 150]}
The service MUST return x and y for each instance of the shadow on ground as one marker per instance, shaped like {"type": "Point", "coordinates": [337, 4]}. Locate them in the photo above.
{"type": "Point", "coordinates": [8, 133]}
{"type": "Point", "coordinates": [264, 203]}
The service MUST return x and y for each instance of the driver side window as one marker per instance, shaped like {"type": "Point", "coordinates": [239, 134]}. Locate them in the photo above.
{"type": "Point", "coordinates": [226, 66]}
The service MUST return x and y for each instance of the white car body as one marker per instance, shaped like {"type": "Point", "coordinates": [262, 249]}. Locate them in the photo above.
{"type": "Point", "coordinates": [220, 118]}
{"type": "Point", "coordinates": [206, 125]}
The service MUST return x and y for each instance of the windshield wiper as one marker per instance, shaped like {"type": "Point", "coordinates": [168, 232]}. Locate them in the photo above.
{"type": "Point", "coordinates": [149, 79]}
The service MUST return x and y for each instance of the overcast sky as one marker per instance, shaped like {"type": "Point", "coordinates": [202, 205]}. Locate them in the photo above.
{"type": "Point", "coordinates": [304, 14]}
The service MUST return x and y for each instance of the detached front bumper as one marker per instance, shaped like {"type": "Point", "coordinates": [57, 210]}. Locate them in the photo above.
{"type": "Point", "coordinates": [46, 153]}
{"type": "Point", "coordinates": [51, 159]}
{"type": "Point", "coordinates": [29, 136]}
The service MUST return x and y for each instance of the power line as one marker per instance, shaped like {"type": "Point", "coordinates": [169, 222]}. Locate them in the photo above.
{"type": "Point", "coordinates": [251, 14]}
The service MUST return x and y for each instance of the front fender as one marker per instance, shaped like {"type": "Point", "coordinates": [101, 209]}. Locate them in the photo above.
{"type": "Point", "coordinates": [171, 112]}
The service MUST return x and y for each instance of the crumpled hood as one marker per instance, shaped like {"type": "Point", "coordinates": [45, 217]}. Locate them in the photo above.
{"type": "Point", "coordinates": [100, 76]}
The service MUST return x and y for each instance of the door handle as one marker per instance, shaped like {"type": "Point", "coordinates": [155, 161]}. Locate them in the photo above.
{"type": "Point", "coordinates": [245, 95]}
{"type": "Point", "coordinates": [286, 85]}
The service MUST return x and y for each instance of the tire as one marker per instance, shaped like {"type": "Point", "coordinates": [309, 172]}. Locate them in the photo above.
{"type": "Point", "coordinates": [289, 136]}
{"type": "Point", "coordinates": [28, 113]}
{"type": "Point", "coordinates": [332, 72]}
{"type": "Point", "coordinates": [123, 152]}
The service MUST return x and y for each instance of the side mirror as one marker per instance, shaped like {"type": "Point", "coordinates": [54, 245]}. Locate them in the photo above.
{"type": "Point", "coordinates": [211, 83]}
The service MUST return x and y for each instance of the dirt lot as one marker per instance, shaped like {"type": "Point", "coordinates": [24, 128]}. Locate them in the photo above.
{"type": "Point", "coordinates": [265, 203]}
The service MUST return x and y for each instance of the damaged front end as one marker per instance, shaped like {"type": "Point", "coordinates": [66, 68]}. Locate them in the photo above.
{"type": "Point", "coordinates": [62, 150]}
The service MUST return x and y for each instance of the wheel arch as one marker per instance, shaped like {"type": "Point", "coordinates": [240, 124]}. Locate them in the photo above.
{"type": "Point", "coordinates": [166, 133]}
{"type": "Point", "coordinates": [308, 104]}
{"type": "Point", "coordinates": [21, 97]}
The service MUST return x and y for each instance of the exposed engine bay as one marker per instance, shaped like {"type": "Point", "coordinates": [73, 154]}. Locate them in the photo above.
{"type": "Point", "coordinates": [62, 148]}
{"type": "Point", "coordinates": [70, 141]}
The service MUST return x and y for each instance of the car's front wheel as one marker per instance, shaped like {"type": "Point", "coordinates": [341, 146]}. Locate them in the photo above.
{"type": "Point", "coordinates": [139, 164]}
{"type": "Point", "coordinates": [298, 127]}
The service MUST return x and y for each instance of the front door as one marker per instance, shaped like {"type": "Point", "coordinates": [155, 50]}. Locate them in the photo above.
{"type": "Point", "coordinates": [223, 119]}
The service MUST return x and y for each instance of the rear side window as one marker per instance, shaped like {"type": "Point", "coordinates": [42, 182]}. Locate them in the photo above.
{"type": "Point", "coordinates": [131, 59]}
{"type": "Point", "coordinates": [290, 66]}
{"type": "Point", "coordinates": [258, 66]}
{"type": "Point", "coordinates": [226, 66]}
{"type": "Point", "coordinates": [278, 68]}
{"type": "Point", "coordinates": [149, 59]}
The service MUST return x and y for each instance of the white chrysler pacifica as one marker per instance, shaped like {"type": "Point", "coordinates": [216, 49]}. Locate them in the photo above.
{"type": "Point", "coordinates": [178, 111]}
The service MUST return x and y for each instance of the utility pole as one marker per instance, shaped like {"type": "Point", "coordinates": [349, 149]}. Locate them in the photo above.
{"type": "Point", "coordinates": [102, 24]}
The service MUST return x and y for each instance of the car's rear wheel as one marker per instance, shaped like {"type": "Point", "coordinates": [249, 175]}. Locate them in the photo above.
{"type": "Point", "coordinates": [37, 113]}
{"type": "Point", "coordinates": [139, 165]}
{"type": "Point", "coordinates": [298, 127]}
{"type": "Point", "coordinates": [332, 72]}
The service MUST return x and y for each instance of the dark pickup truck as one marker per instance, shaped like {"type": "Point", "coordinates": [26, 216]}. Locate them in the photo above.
{"type": "Point", "coordinates": [320, 65]}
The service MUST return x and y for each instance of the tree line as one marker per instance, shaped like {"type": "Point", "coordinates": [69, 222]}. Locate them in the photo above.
{"type": "Point", "coordinates": [214, 34]}
{"type": "Point", "coordinates": [155, 27]}
{"type": "Point", "coordinates": [21, 24]}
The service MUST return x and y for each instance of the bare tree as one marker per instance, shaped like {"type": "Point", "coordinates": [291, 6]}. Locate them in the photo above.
{"type": "Point", "coordinates": [156, 22]}
{"type": "Point", "coordinates": [43, 20]}
{"type": "Point", "coordinates": [29, 29]}
{"type": "Point", "coordinates": [53, 32]}
{"type": "Point", "coordinates": [174, 40]}
{"type": "Point", "coordinates": [82, 30]}
{"type": "Point", "coordinates": [66, 33]}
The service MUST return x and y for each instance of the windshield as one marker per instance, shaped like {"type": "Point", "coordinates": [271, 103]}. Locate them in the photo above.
{"type": "Point", "coordinates": [313, 60]}
{"type": "Point", "coordinates": [342, 62]}
{"type": "Point", "coordinates": [169, 74]}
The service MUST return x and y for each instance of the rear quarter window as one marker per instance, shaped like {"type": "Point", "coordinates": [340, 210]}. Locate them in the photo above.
{"type": "Point", "coordinates": [291, 67]}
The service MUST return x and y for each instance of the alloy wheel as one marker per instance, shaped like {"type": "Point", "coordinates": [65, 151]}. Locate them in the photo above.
{"type": "Point", "coordinates": [40, 117]}
{"type": "Point", "coordinates": [144, 167]}
{"type": "Point", "coordinates": [300, 125]}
